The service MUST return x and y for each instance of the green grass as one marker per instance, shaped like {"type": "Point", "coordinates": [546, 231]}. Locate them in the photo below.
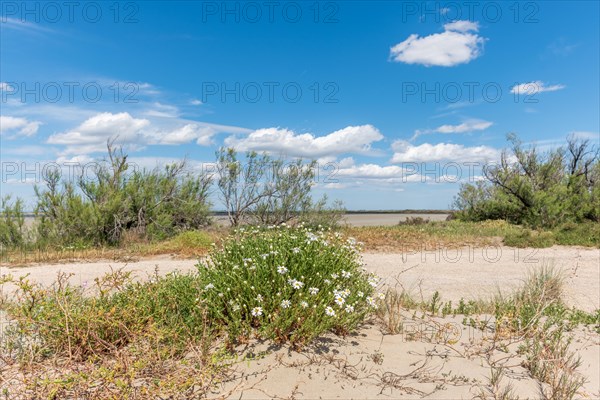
{"type": "Point", "coordinates": [431, 235]}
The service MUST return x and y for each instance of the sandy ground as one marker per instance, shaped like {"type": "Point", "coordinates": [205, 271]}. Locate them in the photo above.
{"type": "Point", "coordinates": [469, 273]}
{"type": "Point", "coordinates": [369, 364]}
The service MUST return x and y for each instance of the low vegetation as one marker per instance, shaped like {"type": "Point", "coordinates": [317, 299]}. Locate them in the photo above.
{"type": "Point", "coordinates": [285, 284]}
{"type": "Point", "coordinates": [534, 316]}
{"type": "Point", "coordinates": [410, 237]}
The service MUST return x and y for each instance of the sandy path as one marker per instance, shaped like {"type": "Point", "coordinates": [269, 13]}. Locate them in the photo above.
{"type": "Point", "coordinates": [473, 273]}
{"type": "Point", "coordinates": [468, 273]}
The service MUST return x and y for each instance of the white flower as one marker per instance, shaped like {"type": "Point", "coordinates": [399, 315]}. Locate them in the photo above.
{"type": "Point", "coordinates": [296, 284]}
{"type": "Point", "coordinates": [330, 312]}
{"type": "Point", "coordinates": [380, 296]}
{"type": "Point", "coordinates": [209, 286]}
{"type": "Point", "coordinates": [373, 281]}
{"type": "Point", "coordinates": [334, 276]}
{"type": "Point", "coordinates": [346, 274]}
{"type": "Point", "coordinates": [264, 256]}
{"type": "Point", "coordinates": [371, 302]}
{"type": "Point", "coordinates": [259, 298]}
{"type": "Point", "coordinates": [220, 294]}
{"type": "Point", "coordinates": [236, 307]}
{"type": "Point", "coordinates": [360, 294]}
{"type": "Point", "coordinates": [349, 309]}
{"type": "Point", "coordinates": [313, 290]}
{"type": "Point", "coordinates": [327, 281]}
{"type": "Point", "coordinates": [339, 300]}
{"type": "Point", "coordinates": [257, 311]}
{"type": "Point", "coordinates": [295, 250]}
{"type": "Point", "coordinates": [311, 237]}
{"type": "Point", "coordinates": [286, 304]}
{"type": "Point", "coordinates": [304, 304]}
{"type": "Point", "coordinates": [282, 270]}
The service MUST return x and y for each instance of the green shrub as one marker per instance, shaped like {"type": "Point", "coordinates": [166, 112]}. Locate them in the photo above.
{"type": "Point", "coordinates": [192, 239]}
{"type": "Point", "coordinates": [539, 190]}
{"type": "Point", "coordinates": [582, 234]}
{"type": "Point", "coordinates": [101, 209]}
{"type": "Point", "coordinates": [66, 320]}
{"type": "Point", "coordinates": [12, 223]}
{"type": "Point", "coordinates": [414, 221]}
{"type": "Point", "coordinates": [286, 284]}
{"type": "Point", "coordinates": [529, 238]}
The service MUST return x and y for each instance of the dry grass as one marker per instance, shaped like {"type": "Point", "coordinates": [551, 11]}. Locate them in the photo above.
{"type": "Point", "coordinates": [191, 244]}
{"type": "Point", "coordinates": [430, 236]}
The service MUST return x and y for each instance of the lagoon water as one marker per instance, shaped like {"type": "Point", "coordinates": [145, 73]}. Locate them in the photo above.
{"type": "Point", "coordinates": [371, 219]}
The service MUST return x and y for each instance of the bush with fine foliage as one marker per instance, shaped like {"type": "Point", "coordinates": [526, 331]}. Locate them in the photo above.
{"type": "Point", "coordinates": [99, 209]}
{"type": "Point", "coordinates": [540, 190]}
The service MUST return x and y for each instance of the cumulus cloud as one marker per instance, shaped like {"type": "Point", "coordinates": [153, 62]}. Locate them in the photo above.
{"type": "Point", "coordinates": [135, 133]}
{"type": "Point", "coordinates": [458, 44]}
{"type": "Point", "coordinates": [531, 88]}
{"type": "Point", "coordinates": [18, 126]}
{"type": "Point", "coordinates": [377, 174]}
{"type": "Point", "coordinates": [189, 132]}
{"type": "Point", "coordinates": [369, 171]}
{"type": "Point", "coordinates": [351, 139]}
{"type": "Point", "coordinates": [404, 152]}
{"type": "Point", "coordinates": [471, 125]}
{"type": "Point", "coordinates": [462, 26]}
{"type": "Point", "coordinates": [92, 134]}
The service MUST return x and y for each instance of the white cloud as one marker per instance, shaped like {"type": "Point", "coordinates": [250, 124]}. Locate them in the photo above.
{"type": "Point", "coordinates": [352, 139]}
{"type": "Point", "coordinates": [456, 45]}
{"type": "Point", "coordinates": [335, 186]}
{"type": "Point", "coordinates": [24, 26]}
{"type": "Point", "coordinates": [405, 152]}
{"type": "Point", "coordinates": [187, 133]}
{"type": "Point", "coordinates": [18, 126]}
{"type": "Point", "coordinates": [462, 26]}
{"type": "Point", "coordinates": [371, 171]}
{"type": "Point", "coordinates": [101, 127]}
{"type": "Point", "coordinates": [196, 102]}
{"type": "Point", "coordinates": [135, 133]}
{"type": "Point", "coordinates": [377, 174]}
{"type": "Point", "coordinates": [584, 135]}
{"type": "Point", "coordinates": [6, 87]}
{"type": "Point", "coordinates": [467, 126]}
{"type": "Point", "coordinates": [162, 111]}
{"type": "Point", "coordinates": [531, 88]}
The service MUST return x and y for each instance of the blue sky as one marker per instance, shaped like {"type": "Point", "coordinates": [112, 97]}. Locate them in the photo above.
{"type": "Point", "coordinates": [399, 102]}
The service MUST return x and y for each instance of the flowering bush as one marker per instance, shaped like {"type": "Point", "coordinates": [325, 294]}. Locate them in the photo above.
{"type": "Point", "coordinates": [287, 284]}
